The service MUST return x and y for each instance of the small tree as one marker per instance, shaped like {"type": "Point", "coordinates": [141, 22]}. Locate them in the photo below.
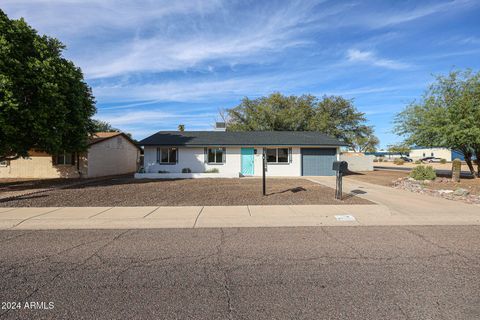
{"type": "Point", "coordinates": [181, 127]}
{"type": "Point", "coordinates": [45, 103]}
{"type": "Point", "coordinates": [447, 116]}
{"type": "Point", "coordinates": [400, 148]}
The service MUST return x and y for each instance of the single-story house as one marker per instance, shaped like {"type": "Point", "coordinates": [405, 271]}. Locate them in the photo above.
{"type": "Point", "coordinates": [108, 153]}
{"type": "Point", "coordinates": [417, 153]}
{"type": "Point", "coordinates": [235, 154]}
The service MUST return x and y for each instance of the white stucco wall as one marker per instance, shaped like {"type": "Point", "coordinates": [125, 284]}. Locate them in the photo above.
{"type": "Point", "coordinates": [113, 156]}
{"type": "Point", "coordinates": [358, 163]}
{"type": "Point", "coordinates": [194, 158]}
{"type": "Point", "coordinates": [442, 153]}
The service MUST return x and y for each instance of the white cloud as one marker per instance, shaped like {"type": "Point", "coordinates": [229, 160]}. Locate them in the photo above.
{"type": "Point", "coordinates": [369, 57]}
{"type": "Point", "coordinates": [112, 38]}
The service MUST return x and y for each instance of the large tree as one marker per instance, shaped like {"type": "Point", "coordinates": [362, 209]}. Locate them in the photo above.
{"type": "Point", "coordinates": [448, 115]}
{"type": "Point", "coordinates": [45, 103]}
{"type": "Point", "coordinates": [331, 115]}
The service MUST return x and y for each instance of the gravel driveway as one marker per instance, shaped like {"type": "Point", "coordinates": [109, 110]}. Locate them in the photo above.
{"type": "Point", "coordinates": [187, 192]}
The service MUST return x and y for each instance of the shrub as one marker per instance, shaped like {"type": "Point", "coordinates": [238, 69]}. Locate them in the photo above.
{"type": "Point", "coordinates": [141, 170]}
{"type": "Point", "coordinates": [375, 160]}
{"type": "Point", "coordinates": [418, 162]}
{"type": "Point", "coordinates": [423, 173]}
{"type": "Point", "coordinates": [186, 170]}
{"type": "Point", "coordinates": [443, 161]}
{"type": "Point", "coordinates": [163, 171]}
{"type": "Point", "coordinates": [380, 159]}
{"type": "Point", "coordinates": [398, 161]}
{"type": "Point", "coordinates": [213, 170]}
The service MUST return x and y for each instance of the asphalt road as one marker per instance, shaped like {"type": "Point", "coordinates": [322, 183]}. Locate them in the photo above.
{"type": "Point", "coordinates": [271, 273]}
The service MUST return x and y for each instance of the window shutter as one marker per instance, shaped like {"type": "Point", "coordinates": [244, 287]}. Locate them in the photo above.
{"type": "Point", "coordinates": [54, 160]}
{"type": "Point", "coordinates": [177, 151]}
{"type": "Point", "coordinates": [224, 155]}
{"type": "Point", "coordinates": [205, 155]}
{"type": "Point", "coordinates": [72, 156]}
{"type": "Point", "coordinates": [158, 155]}
{"type": "Point", "coordinates": [289, 155]}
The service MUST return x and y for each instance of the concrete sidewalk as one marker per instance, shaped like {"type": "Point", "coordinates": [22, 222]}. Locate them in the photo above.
{"type": "Point", "coordinates": [218, 217]}
{"type": "Point", "coordinates": [393, 207]}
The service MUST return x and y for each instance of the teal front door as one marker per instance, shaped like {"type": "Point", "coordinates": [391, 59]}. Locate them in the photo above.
{"type": "Point", "coordinates": [247, 161]}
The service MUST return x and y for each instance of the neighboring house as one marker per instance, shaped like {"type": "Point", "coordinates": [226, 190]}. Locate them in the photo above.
{"type": "Point", "coordinates": [108, 153]}
{"type": "Point", "coordinates": [288, 153]}
{"type": "Point", "coordinates": [417, 153]}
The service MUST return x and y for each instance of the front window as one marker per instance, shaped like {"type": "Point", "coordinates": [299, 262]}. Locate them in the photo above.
{"type": "Point", "coordinates": [65, 158]}
{"type": "Point", "coordinates": [167, 155]}
{"type": "Point", "coordinates": [216, 155]}
{"type": "Point", "coordinates": [277, 155]}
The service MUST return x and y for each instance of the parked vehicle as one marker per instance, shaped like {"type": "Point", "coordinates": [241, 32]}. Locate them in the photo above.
{"type": "Point", "coordinates": [406, 159]}
{"type": "Point", "coordinates": [430, 159]}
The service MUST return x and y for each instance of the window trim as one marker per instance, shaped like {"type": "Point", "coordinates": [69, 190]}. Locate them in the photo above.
{"type": "Point", "coordinates": [224, 156]}
{"type": "Point", "coordinates": [65, 155]}
{"type": "Point", "coordinates": [169, 149]}
{"type": "Point", "coordinates": [289, 156]}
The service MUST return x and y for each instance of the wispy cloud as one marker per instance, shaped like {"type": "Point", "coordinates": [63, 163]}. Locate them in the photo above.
{"type": "Point", "coordinates": [369, 57]}
{"type": "Point", "coordinates": [385, 18]}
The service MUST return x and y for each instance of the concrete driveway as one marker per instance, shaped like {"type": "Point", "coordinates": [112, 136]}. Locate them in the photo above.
{"type": "Point", "coordinates": [402, 204]}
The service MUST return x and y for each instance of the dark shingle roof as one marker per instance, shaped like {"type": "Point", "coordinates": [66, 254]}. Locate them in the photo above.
{"type": "Point", "coordinates": [244, 138]}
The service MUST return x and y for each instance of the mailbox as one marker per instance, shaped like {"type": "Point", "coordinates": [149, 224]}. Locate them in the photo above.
{"type": "Point", "coordinates": [340, 166]}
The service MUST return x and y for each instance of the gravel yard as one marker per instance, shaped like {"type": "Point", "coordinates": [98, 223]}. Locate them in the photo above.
{"type": "Point", "coordinates": [188, 192]}
{"type": "Point", "coordinates": [383, 178]}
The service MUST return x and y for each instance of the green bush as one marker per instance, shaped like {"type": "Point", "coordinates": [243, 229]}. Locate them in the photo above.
{"type": "Point", "coordinates": [375, 160]}
{"type": "Point", "coordinates": [213, 170]}
{"type": "Point", "coordinates": [418, 162]}
{"type": "Point", "coordinates": [423, 173]}
{"type": "Point", "coordinates": [186, 170]}
{"type": "Point", "coordinates": [443, 161]}
{"type": "Point", "coordinates": [163, 171]}
{"type": "Point", "coordinates": [398, 161]}
{"type": "Point", "coordinates": [380, 159]}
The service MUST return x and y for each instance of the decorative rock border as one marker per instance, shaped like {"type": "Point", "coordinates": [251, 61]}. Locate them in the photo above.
{"type": "Point", "coordinates": [421, 187]}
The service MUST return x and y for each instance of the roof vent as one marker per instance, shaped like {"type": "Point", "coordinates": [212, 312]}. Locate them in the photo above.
{"type": "Point", "coordinates": [220, 126]}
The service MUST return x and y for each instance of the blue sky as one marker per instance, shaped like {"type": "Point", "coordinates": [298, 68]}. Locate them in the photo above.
{"type": "Point", "coordinates": [155, 64]}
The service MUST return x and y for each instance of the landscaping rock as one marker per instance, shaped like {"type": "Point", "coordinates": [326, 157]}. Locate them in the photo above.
{"type": "Point", "coordinates": [443, 191]}
{"type": "Point", "coordinates": [421, 187]}
{"type": "Point", "coordinates": [460, 192]}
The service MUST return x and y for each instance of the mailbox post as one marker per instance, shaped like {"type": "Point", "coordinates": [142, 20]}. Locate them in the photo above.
{"type": "Point", "coordinates": [340, 168]}
{"type": "Point", "coordinates": [264, 169]}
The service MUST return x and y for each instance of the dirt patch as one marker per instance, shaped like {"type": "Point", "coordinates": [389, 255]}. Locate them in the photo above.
{"type": "Point", "coordinates": [187, 192]}
{"type": "Point", "coordinates": [383, 178]}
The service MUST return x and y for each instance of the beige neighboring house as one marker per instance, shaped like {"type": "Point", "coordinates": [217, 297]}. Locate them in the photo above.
{"type": "Point", "coordinates": [109, 153]}
{"type": "Point", "coordinates": [442, 153]}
